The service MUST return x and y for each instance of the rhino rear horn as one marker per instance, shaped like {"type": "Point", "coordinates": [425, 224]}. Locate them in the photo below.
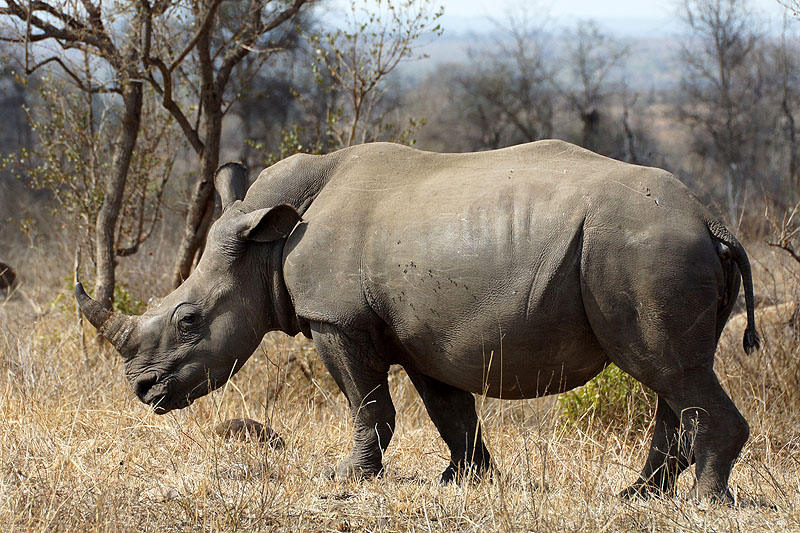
{"type": "Point", "coordinates": [230, 180]}
{"type": "Point", "coordinates": [115, 327]}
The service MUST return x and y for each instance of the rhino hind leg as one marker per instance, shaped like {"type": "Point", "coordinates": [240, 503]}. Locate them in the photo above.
{"type": "Point", "coordinates": [671, 452]}
{"type": "Point", "coordinates": [707, 416]}
{"type": "Point", "coordinates": [703, 413]}
{"type": "Point", "coordinates": [362, 375]}
{"type": "Point", "coordinates": [658, 319]}
{"type": "Point", "coordinates": [708, 424]}
{"type": "Point", "coordinates": [453, 413]}
{"type": "Point", "coordinates": [721, 431]}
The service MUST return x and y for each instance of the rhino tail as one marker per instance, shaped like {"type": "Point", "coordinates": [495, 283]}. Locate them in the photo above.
{"type": "Point", "coordinates": [730, 248]}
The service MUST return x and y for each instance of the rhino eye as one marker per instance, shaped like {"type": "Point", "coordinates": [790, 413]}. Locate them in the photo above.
{"type": "Point", "coordinates": [188, 319]}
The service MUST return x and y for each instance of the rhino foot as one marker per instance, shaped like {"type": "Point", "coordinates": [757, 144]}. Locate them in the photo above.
{"type": "Point", "coordinates": [350, 471]}
{"type": "Point", "coordinates": [643, 491]}
{"type": "Point", "coordinates": [474, 472]}
{"type": "Point", "coordinates": [715, 497]}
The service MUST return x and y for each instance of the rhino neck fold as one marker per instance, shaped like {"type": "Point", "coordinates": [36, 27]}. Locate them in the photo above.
{"type": "Point", "coordinates": [280, 307]}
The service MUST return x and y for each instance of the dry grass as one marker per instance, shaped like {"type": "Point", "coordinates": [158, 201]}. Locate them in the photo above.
{"type": "Point", "coordinates": [79, 452]}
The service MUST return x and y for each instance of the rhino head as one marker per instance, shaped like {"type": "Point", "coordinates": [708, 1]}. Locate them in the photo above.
{"type": "Point", "coordinates": [203, 332]}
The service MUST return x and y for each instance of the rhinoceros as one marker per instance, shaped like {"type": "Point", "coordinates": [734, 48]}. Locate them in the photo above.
{"type": "Point", "coordinates": [514, 273]}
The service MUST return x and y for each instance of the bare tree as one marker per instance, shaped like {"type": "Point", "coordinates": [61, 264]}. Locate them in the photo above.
{"type": "Point", "coordinates": [504, 94]}
{"type": "Point", "coordinates": [187, 50]}
{"type": "Point", "coordinates": [196, 45]}
{"type": "Point", "coordinates": [532, 98]}
{"type": "Point", "coordinates": [791, 5]}
{"type": "Point", "coordinates": [593, 58]}
{"type": "Point", "coordinates": [785, 232]}
{"type": "Point", "coordinates": [74, 131]}
{"type": "Point", "coordinates": [785, 236]}
{"type": "Point", "coordinates": [354, 63]}
{"type": "Point", "coordinates": [719, 86]}
{"type": "Point", "coordinates": [787, 59]}
{"type": "Point", "coordinates": [267, 103]}
{"type": "Point", "coordinates": [518, 92]}
{"type": "Point", "coordinates": [88, 27]}
{"type": "Point", "coordinates": [482, 100]}
{"type": "Point", "coordinates": [352, 93]}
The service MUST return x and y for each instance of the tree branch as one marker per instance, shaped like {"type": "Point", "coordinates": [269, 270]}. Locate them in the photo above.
{"type": "Point", "coordinates": [233, 57]}
{"type": "Point", "coordinates": [205, 26]}
{"type": "Point", "coordinates": [786, 248]}
{"type": "Point", "coordinates": [74, 32]}
{"type": "Point", "coordinates": [785, 232]}
{"type": "Point", "coordinates": [95, 18]}
{"type": "Point", "coordinates": [169, 103]}
{"type": "Point", "coordinates": [78, 81]}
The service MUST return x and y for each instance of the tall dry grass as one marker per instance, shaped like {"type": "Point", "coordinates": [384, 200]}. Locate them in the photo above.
{"type": "Point", "coordinates": [79, 452]}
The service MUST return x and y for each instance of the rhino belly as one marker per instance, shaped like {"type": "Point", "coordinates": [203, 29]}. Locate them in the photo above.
{"type": "Point", "coordinates": [487, 315]}
{"type": "Point", "coordinates": [528, 365]}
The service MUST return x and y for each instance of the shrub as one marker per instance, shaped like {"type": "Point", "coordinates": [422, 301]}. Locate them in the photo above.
{"type": "Point", "coordinates": [612, 398]}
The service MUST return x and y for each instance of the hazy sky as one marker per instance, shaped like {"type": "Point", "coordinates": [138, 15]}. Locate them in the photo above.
{"type": "Point", "coordinates": [587, 8]}
{"type": "Point", "coordinates": [652, 17]}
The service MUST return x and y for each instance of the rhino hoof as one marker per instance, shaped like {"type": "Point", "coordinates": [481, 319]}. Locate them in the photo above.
{"type": "Point", "coordinates": [246, 429]}
{"type": "Point", "coordinates": [706, 498]}
{"type": "Point", "coordinates": [460, 473]}
{"type": "Point", "coordinates": [639, 491]}
{"type": "Point", "coordinates": [347, 471]}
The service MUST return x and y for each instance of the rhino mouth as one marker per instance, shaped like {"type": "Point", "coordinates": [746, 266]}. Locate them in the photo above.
{"type": "Point", "coordinates": [159, 393]}
{"type": "Point", "coordinates": [163, 404]}
{"type": "Point", "coordinates": [162, 407]}
{"type": "Point", "coordinates": [155, 392]}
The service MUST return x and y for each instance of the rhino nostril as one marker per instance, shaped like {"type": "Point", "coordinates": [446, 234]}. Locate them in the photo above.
{"type": "Point", "coordinates": [143, 385]}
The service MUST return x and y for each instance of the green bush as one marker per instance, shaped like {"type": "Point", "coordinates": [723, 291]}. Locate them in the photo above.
{"type": "Point", "coordinates": [612, 399]}
{"type": "Point", "coordinates": [124, 302]}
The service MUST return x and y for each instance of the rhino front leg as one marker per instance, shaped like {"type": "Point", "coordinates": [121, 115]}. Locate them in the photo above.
{"type": "Point", "coordinates": [453, 412]}
{"type": "Point", "coordinates": [362, 375]}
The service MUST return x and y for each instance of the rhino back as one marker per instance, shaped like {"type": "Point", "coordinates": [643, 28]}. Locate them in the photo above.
{"type": "Point", "coordinates": [469, 257]}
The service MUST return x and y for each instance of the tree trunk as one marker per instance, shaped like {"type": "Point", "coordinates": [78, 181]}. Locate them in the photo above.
{"type": "Point", "coordinates": [731, 200]}
{"type": "Point", "coordinates": [794, 172]}
{"type": "Point", "coordinates": [105, 237]}
{"type": "Point", "coordinates": [200, 212]}
{"type": "Point", "coordinates": [194, 230]}
{"type": "Point", "coordinates": [201, 205]}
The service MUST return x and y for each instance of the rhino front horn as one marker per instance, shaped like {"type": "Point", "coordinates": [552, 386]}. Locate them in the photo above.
{"type": "Point", "coordinates": [115, 327]}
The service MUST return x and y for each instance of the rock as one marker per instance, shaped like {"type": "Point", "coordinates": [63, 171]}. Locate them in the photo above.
{"type": "Point", "coordinates": [246, 429]}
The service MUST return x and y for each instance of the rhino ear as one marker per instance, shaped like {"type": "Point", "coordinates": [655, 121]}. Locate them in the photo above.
{"type": "Point", "coordinates": [270, 224]}
{"type": "Point", "coordinates": [230, 180]}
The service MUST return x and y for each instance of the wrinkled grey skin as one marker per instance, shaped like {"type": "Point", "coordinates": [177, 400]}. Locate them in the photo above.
{"type": "Point", "coordinates": [515, 273]}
